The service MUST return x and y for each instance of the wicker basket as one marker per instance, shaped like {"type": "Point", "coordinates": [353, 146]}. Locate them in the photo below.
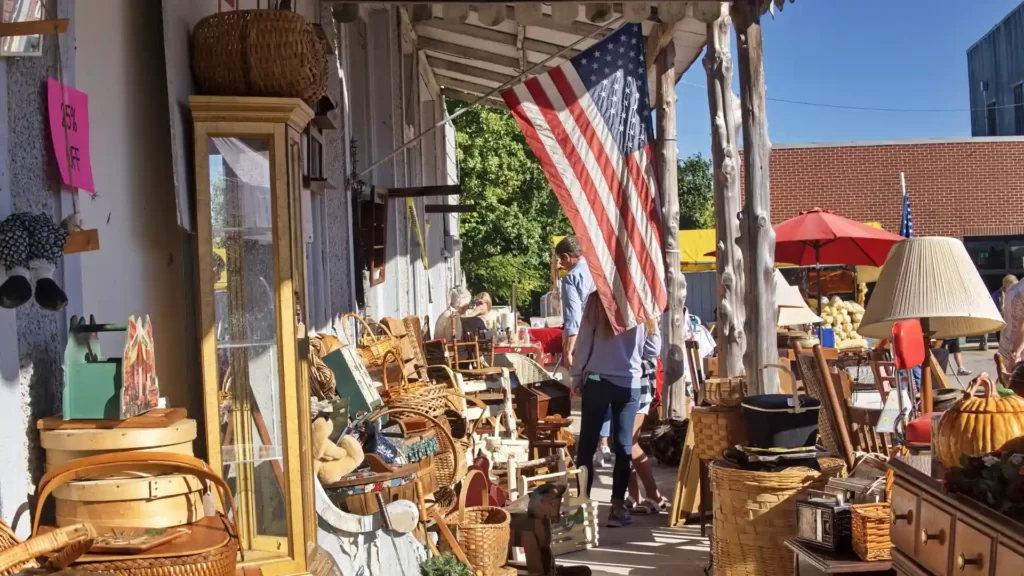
{"type": "Point", "coordinates": [724, 391]}
{"type": "Point", "coordinates": [482, 531]}
{"type": "Point", "coordinates": [62, 545]}
{"type": "Point", "coordinates": [374, 344]}
{"type": "Point", "coordinates": [259, 53]}
{"type": "Point", "coordinates": [716, 429]}
{"type": "Point", "coordinates": [870, 527]}
{"type": "Point", "coordinates": [450, 462]}
{"type": "Point", "coordinates": [755, 513]}
{"type": "Point", "coordinates": [213, 560]}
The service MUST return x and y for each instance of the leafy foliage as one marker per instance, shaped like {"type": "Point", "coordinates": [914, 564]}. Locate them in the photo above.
{"type": "Point", "coordinates": [696, 194]}
{"type": "Point", "coordinates": [507, 241]}
{"type": "Point", "coordinates": [444, 565]}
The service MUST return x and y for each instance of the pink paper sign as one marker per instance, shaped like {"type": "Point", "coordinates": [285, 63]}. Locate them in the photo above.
{"type": "Point", "coordinates": [69, 130]}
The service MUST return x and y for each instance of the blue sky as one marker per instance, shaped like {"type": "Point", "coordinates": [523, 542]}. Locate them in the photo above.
{"type": "Point", "coordinates": [904, 54]}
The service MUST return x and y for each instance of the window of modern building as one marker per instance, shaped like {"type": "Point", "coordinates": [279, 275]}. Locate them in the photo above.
{"type": "Point", "coordinates": [1018, 109]}
{"type": "Point", "coordinates": [990, 118]}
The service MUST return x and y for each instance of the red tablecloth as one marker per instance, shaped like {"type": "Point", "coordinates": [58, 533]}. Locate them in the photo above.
{"type": "Point", "coordinates": [549, 339]}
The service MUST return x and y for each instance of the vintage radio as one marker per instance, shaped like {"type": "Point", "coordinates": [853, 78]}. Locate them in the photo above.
{"type": "Point", "coordinates": [823, 521]}
{"type": "Point", "coordinates": [857, 490]}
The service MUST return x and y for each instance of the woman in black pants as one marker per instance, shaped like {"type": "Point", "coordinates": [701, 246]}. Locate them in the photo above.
{"type": "Point", "coordinates": [953, 345]}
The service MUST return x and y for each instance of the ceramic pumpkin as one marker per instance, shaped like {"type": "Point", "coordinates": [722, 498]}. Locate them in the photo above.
{"type": "Point", "coordinates": [980, 424]}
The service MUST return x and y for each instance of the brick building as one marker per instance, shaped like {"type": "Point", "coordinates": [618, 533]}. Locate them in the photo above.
{"type": "Point", "coordinates": [970, 188]}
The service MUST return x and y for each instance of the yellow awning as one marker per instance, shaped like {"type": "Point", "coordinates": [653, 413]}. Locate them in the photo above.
{"type": "Point", "coordinates": [694, 244]}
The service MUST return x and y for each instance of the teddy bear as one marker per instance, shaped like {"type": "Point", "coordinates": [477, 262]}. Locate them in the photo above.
{"type": "Point", "coordinates": [331, 462]}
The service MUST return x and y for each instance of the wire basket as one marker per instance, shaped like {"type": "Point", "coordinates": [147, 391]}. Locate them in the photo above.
{"type": "Point", "coordinates": [870, 527]}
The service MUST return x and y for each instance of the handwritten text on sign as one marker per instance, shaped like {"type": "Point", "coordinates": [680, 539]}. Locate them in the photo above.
{"type": "Point", "coordinates": [69, 130]}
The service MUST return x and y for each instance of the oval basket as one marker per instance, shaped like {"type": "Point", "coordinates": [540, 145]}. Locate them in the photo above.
{"type": "Point", "coordinates": [259, 53]}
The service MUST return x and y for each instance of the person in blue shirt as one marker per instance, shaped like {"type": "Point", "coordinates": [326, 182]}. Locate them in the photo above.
{"type": "Point", "coordinates": [607, 372]}
{"type": "Point", "coordinates": [577, 285]}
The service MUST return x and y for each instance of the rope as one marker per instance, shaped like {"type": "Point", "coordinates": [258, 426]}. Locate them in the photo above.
{"type": "Point", "coordinates": [67, 149]}
{"type": "Point", "coordinates": [321, 378]}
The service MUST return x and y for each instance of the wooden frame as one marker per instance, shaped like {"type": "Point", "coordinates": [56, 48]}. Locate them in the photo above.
{"type": "Point", "coordinates": [280, 121]}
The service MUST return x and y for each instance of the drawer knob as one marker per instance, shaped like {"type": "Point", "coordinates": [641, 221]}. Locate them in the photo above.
{"type": "Point", "coordinates": [908, 517]}
{"type": "Point", "coordinates": [926, 537]}
{"type": "Point", "coordinates": [962, 562]}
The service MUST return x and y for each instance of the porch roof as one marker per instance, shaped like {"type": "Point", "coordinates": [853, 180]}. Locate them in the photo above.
{"type": "Point", "coordinates": [465, 51]}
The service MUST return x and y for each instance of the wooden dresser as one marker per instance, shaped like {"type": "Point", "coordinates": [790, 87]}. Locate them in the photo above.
{"type": "Point", "coordinates": [939, 534]}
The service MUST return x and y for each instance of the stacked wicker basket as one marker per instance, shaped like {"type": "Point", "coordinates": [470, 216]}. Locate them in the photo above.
{"type": "Point", "coordinates": [720, 425]}
{"type": "Point", "coordinates": [130, 499]}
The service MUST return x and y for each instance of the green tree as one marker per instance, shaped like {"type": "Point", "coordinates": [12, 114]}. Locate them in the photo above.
{"type": "Point", "coordinates": [696, 194]}
{"type": "Point", "coordinates": [507, 241]}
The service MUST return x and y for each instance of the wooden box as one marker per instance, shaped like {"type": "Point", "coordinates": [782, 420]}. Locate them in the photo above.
{"type": "Point", "coordinates": [577, 527]}
{"type": "Point", "coordinates": [153, 502]}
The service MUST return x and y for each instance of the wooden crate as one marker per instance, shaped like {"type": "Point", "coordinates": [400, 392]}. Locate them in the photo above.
{"type": "Point", "coordinates": [577, 528]}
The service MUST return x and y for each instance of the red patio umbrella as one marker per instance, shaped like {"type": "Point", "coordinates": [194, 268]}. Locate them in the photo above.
{"type": "Point", "coordinates": [823, 237]}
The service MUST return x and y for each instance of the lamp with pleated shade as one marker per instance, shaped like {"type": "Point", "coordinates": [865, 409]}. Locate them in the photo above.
{"type": "Point", "coordinates": [933, 280]}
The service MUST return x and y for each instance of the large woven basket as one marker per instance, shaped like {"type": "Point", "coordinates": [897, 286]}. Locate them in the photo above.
{"type": "Point", "coordinates": [62, 546]}
{"type": "Point", "coordinates": [482, 531]}
{"type": "Point", "coordinates": [206, 561]}
{"type": "Point", "coordinates": [716, 429]}
{"type": "Point", "coordinates": [259, 53]}
{"type": "Point", "coordinates": [755, 513]}
{"type": "Point", "coordinates": [450, 461]}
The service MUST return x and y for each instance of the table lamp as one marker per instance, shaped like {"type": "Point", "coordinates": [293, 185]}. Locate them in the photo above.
{"type": "Point", "coordinates": [933, 280]}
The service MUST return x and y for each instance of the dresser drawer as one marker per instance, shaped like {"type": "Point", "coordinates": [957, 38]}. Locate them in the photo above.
{"type": "Point", "coordinates": [1008, 562]}
{"type": "Point", "coordinates": [903, 531]}
{"type": "Point", "coordinates": [972, 551]}
{"type": "Point", "coordinates": [933, 535]}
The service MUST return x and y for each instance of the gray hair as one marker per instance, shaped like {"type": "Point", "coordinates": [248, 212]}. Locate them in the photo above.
{"type": "Point", "coordinates": [569, 246]}
{"type": "Point", "coordinates": [459, 297]}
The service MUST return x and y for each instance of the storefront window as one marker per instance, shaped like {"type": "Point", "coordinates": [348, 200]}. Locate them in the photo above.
{"type": "Point", "coordinates": [246, 335]}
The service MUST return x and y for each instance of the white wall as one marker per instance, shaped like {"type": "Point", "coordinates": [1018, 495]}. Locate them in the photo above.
{"type": "Point", "coordinates": [139, 268]}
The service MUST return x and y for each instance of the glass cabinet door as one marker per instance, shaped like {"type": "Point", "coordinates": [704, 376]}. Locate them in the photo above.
{"type": "Point", "coordinates": [252, 396]}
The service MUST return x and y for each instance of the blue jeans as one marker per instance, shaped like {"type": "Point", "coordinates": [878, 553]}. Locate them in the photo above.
{"type": "Point", "coordinates": [600, 397]}
{"type": "Point", "coordinates": [606, 427]}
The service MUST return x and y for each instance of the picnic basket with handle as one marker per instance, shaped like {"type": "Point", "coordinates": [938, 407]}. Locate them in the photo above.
{"type": "Point", "coordinates": [209, 549]}
{"type": "Point", "coordinates": [482, 531]}
{"type": "Point", "coordinates": [62, 545]}
{"type": "Point", "coordinates": [720, 391]}
{"type": "Point", "coordinates": [259, 53]}
{"type": "Point", "coordinates": [374, 343]}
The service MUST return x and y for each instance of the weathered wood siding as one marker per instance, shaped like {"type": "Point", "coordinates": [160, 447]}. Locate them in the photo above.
{"type": "Point", "coordinates": [998, 59]}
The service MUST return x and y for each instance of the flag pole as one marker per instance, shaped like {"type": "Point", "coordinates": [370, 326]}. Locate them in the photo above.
{"type": "Point", "coordinates": [494, 91]}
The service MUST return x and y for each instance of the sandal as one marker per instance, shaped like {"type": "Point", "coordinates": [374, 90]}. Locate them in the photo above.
{"type": "Point", "coordinates": [629, 504]}
{"type": "Point", "coordinates": [646, 508]}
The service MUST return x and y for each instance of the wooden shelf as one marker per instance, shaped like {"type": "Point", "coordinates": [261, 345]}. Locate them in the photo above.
{"type": "Point", "coordinates": [82, 241]}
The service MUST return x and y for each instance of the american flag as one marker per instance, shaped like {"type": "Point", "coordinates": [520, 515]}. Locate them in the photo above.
{"type": "Point", "coordinates": [588, 121]}
{"type": "Point", "coordinates": [906, 220]}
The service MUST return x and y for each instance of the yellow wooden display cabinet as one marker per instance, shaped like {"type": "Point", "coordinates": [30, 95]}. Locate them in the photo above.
{"type": "Point", "coordinates": [248, 166]}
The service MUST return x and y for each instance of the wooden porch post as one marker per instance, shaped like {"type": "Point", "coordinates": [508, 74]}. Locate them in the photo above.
{"type": "Point", "coordinates": [668, 158]}
{"type": "Point", "coordinates": [725, 114]}
{"type": "Point", "coordinates": [756, 225]}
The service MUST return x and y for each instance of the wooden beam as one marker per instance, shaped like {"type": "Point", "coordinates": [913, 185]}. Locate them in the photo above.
{"type": "Point", "coordinates": [724, 111]}
{"type": "Point", "coordinates": [758, 235]}
{"type": "Point", "coordinates": [448, 208]}
{"type": "Point", "coordinates": [59, 26]}
{"type": "Point", "coordinates": [673, 357]}
{"type": "Point", "coordinates": [492, 35]}
{"type": "Point", "coordinates": [82, 241]}
{"type": "Point", "coordinates": [444, 67]}
{"type": "Point", "coordinates": [469, 53]}
{"type": "Point", "coordinates": [468, 87]}
{"type": "Point", "coordinates": [424, 191]}
{"type": "Point", "coordinates": [472, 98]}
{"type": "Point", "coordinates": [433, 90]}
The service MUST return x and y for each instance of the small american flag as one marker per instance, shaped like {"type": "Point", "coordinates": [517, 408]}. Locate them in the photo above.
{"type": "Point", "coordinates": [906, 220]}
{"type": "Point", "coordinates": [588, 121]}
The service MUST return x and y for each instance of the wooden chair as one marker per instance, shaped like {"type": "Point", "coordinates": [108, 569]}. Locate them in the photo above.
{"type": "Point", "coordinates": [818, 383]}
{"type": "Point", "coordinates": [884, 372]}
{"type": "Point", "coordinates": [696, 370]}
{"type": "Point", "coordinates": [863, 435]}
